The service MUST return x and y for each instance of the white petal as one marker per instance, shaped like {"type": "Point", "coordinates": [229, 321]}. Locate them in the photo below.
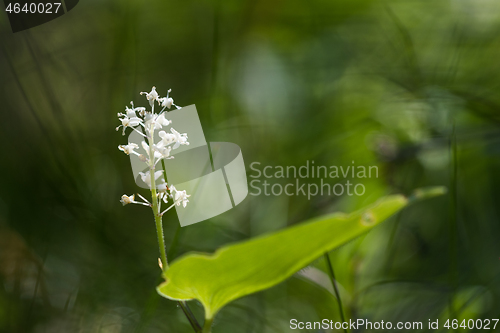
{"type": "Point", "coordinates": [158, 174]}
{"type": "Point", "coordinates": [145, 146]}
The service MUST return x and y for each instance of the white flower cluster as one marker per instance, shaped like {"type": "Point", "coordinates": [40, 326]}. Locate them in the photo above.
{"type": "Point", "coordinates": [146, 123]}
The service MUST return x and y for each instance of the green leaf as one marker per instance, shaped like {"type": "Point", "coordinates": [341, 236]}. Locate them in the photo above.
{"type": "Point", "coordinates": [244, 268]}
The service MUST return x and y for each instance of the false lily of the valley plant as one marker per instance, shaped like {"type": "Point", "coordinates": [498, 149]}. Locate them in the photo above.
{"type": "Point", "coordinates": [245, 267]}
{"type": "Point", "coordinates": [146, 122]}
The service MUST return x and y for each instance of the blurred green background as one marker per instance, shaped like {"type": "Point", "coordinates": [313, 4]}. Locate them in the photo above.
{"type": "Point", "coordinates": [397, 84]}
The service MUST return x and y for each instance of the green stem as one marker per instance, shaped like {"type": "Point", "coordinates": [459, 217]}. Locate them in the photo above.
{"type": "Point", "coordinates": [154, 201]}
{"type": "Point", "coordinates": [335, 288]}
{"type": "Point", "coordinates": [159, 232]}
{"type": "Point", "coordinates": [161, 240]}
{"type": "Point", "coordinates": [207, 327]}
{"type": "Point", "coordinates": [190, 316]}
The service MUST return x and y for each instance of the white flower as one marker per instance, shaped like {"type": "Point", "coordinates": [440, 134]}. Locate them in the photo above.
{"type": "Point", "coordinates": [125, 200]}
{"type": "Point", "coordinates": [180, 139]}
{"type": "Point", "coordinates": [148, 118]}
{"type": "Point", "coordinates": [161, 121]}
{"type": "Point", "coordinates": [164, 151]}
{"type": "Point", "coordinates": [167, 138]}
{"type": "Point", "coordinates": [166, 102]}
{"type": "Point", "coordinates": [129, 149]}
{"type": "Point", "coordinates": [179, 196]}
{"type": "Point", "coordinates": [150, 121]}
{"type": "Point", "coordinates": [172, 191]}
{"type": "Point", "coordinates": [134, 121]}
{"type": "Point", "coordinates": [174, 136]}
{"type": "Point", "coordinates": [146, 177]}
{"type": "Point", "coordinates": [155, 120]}
{"type": "Point", "coordinates": [162, 187]}
{"type": "Point", "coordinates": [151, 96]}
{"type": "Point", "coordinates": [163, 194]}
{"type": "Point", "coordinates": [145, 146]}
{"type": "Point", "coordinates": [129, 122]}
{"type": "Point", "coordinates": [132, 112]}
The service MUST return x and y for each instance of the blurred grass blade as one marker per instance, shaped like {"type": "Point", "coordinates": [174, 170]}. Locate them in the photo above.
{"type": "Point", "coordinates": [251, 266]}
{"type": "Point", "coordinates": [427, 192]}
